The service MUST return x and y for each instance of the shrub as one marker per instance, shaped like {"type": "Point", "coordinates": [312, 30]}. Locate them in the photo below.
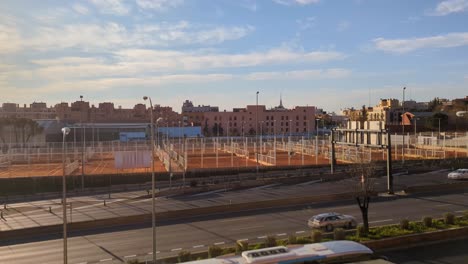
{"type": "Point", "coordinates": [241, 246]}
{"type": "Point", "coordinates": [270, 241]}
{"type": "Point", "coordinates": [427, 221]}
{"type": "Point", "coordinates": [360, 231]}
{"type": "Point", "coordinates": [339, 234]}
{"type": "Point", "coordinates": [184, 256]}
{"type": "Point", "coordinates": [404, 224]}
{"type": "Point", "coordinates": [316, 236]}
{"type": "Point", "coordinates": [193, 183]}
{"type": "Point", "coordinates": [449, 219]}
{"type": "Point", "coordinates": [258, 246]}
{"type": "Point", "coordinates": [292, 239]}
{"type": "Point", "coordinates": [303, 240]}
{"type": "Point", "coordinates": [214, 251]}
{"type": "Point", "coordinates": [465, 215]}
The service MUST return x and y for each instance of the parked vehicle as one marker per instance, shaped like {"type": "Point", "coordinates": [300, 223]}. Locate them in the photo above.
{"type": "Point", "coordinates": [329, 221]}
{"type": "Point", "coordinates": [458, 174]}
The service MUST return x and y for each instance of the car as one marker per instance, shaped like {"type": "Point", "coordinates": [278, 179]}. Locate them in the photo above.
{"type": "Point", "coordinates": [458, 174]}
{"type": "Point", "coordinates": [329, 221]}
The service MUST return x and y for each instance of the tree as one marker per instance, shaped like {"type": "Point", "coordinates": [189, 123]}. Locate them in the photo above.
{"type": "Point", "coordinates": [363, 117]}
{"type": "Point", "coordinates": [434, 104]}
{"type": "Point", "coordinates": [23, 129]}
{"type": "Point", "coordinates": [206, 130]}
{"type": "Point", "coordinates": [433, 121]}
{"type": "Point", "coordinates": [364, 175]}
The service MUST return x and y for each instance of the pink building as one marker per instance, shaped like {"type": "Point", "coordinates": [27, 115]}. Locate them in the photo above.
{"type": "Point", "coordinates": [243, 121]}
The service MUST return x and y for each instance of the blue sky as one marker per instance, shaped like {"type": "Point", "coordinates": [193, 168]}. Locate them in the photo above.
{"type": "Point", "coordinates": [328, 53]}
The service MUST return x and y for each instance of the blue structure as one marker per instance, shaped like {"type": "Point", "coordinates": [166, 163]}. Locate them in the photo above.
{"type": "Point", "coordinates": [176, 132]}
{"type": "Point", "coordinates": [131, 136]}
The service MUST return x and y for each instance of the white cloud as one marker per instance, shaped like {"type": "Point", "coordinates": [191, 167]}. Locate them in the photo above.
{"type": "Point", "coordinates": [10, 39]}
{"type": "Point", "coordinates": [300, 75]}
{"type": "Point", "coordinates": [114, 7]}
{"type": "Point", "coordinates": [167, 60]}
{"type": "Point", "coordinates": [112, 35]}
{"type": "Point", "coordinates": [306, 23]}
{"type": "Point", "coordinates": [81, 9]}
{"type": "Point", "coordinates": [406, 45]}
{"type": "Point", "coordinates": [343, 25]}
{"type": "Point", "coordinates": [159, 5]}
{"type": "Point", "coordinates": [450, 6]}
{"type": "Point", "coordinates": [249, 4]}
{"type": "Point", "coordinates": [296, 2]}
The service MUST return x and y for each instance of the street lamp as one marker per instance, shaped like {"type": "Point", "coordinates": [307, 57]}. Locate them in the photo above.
{"type": "Point", "coordinates": [65, 132]}
{"type": "Point", "coordinates": [153, 213]}
{"type": "Point", "coordinates": [83, 144]}
{"type": "Point", "coordinates": [256, 130]}
{"type": "Point", "coordinates": [403, 127]}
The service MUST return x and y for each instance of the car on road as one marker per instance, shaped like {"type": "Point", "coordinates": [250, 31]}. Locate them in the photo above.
{"type": "Point", "coordinates": [329, 221]}
{"type": "Point", "coordinates": [458, 174]}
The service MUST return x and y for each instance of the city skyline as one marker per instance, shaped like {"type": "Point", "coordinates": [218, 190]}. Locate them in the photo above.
{"type": "Point", "coordinates": [321, 53]}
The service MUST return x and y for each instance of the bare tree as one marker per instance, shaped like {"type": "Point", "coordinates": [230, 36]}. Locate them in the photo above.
{"type": "Point", "coordinates": [364, 175]}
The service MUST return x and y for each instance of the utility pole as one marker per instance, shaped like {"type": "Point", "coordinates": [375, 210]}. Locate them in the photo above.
{"type": "Point", "coordinates": [256, 130]}
{"type": "Point", "coordinates": [403, 128]}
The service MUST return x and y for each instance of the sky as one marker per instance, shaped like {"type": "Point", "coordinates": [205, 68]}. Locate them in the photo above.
{"type": "Point", "coordinates": [332, 54]}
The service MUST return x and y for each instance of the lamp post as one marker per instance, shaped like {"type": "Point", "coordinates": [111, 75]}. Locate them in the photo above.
{"type": "Point", "coordinates": [403, 127]}
{"type": "Point", "coordinates": [153, 213]}
{"type": "Point", "coordinates": [65, 132]}
{"type": "Point", "coordinates": [83, 144]}
{"type": "Point", "coordinates": [256, 130]}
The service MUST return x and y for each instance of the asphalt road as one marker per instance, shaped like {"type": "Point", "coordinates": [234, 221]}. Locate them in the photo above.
{"type": "Point", "coordinates": [198, 233]}
{"type": "Point", "coordinates": [452, 252]}
{"type": "Point", "coordinates": [36, 213]}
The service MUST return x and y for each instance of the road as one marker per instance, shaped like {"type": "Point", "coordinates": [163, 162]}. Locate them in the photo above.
{"type": "Point", "coordinates": [198, 233]}
{"type": "Point", "coordinates": [49, 212]}
{"type": "Point", "coordinates": [452, 252]}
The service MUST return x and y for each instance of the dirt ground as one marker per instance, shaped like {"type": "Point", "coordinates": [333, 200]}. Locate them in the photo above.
{"type": "Point", "coordinates": [104, 163]}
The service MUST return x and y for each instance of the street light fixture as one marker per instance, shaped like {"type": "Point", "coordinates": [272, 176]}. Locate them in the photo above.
{"type": "Point", "coordinates": [65, 132]}
{"type": "Point", "coordinates": [153, 213]}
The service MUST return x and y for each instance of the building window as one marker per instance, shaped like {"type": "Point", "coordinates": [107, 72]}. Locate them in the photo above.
{"type": "Point", "coordinates": [305, 123]}
{"type": "Point", "coordinates": [305, 117]}
{"type": "Point", "coordinates": [281, 123]}
{"type": "Point", "coordinates": [282, 117]}
{"type": "Point", "coordinates": [268, 118]}
{"type": "Point", "coordinates": [235, 118]}
{"type": "Point", "coordinates": [216, 118]}
{"type": "Point", "coordinates": [297, 117]}
{"type": "Point", "coordinates": [297, 130]}
{"type": "Point", "coordinates": [235, 124]}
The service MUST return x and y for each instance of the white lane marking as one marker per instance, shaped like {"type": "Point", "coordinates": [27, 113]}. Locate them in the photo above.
{"type": "Point", "coordinates": [261, 237]}
{"type": "Point", "coordinates": [282, 234]}
{"type": "Point", "coordinates": [263, 187]}
{"type": "Point", "coordinates": [300, 232]}
{"type": "Point", "coordinates": [82, 263]}
{"type": "Point", "coordinates": [130, 256]}
{"type": "Point", "coordinates": [245, 228]}
{"type": "Point", "coordinates": [380, 221]}
{"type": "Point", "coordinates": [308, 183]}
{"type": "Point", "coordinates": [235, 219]}
{"type": "Point", "coordinates": [442, 205]}
{"type": "Point", "coordinates": [151, 253]}
{"type": "Point", "coordinates": [460, 211]}
{"type": "Point", "coordinates": [244, 239]}
{"type": "Point", "coordinates": [219, 243]}
{"type": "Point", "coordinates": [211, 192]}
{"type": "Point", "coordinates": [176, 249]}
{"type": "Point", "coordinates": [104, 260]}
{"type": "Point", "coordinates": [198, 246]}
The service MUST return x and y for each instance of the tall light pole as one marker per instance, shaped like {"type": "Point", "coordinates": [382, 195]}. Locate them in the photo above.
{"type": "Point", "coordinates": [65, 132]}
{"type": "Point", "coordinates": [403, 127]}
{"type": "Point", "coordinates": [256, 130]}
{"type": "Point", "coordinates": [153, 213]}
{"type": "Point", "coordinates": [83, 146]}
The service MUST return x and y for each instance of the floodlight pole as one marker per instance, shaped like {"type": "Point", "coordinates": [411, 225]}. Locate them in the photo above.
{"type": "Point", "coordinates": [153, 213]}
{"type": "Point", "coordinates": [65, 132]}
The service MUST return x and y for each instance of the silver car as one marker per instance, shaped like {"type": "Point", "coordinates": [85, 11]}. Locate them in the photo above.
{"type": "Point", "coordinates": [459, 174]}
{"type": "Point", "coordinates": [329, 221]}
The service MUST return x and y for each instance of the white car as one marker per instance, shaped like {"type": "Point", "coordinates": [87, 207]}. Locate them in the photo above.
{"type": "Point", "coordinates": [458, 174]}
